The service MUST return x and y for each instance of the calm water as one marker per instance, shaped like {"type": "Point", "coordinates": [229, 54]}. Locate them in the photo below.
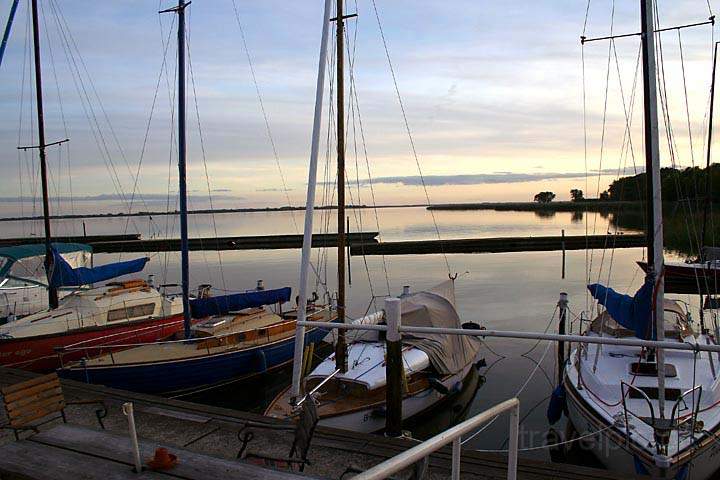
{"type": "Point", "coordinates": [511, 291]}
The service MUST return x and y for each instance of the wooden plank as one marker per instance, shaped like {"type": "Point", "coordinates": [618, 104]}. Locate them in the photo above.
{"type": "Point", "coordinates": [7, 391]}
{"type": "Point", "coordinates": [38, 397]}
{"type": "Point", "coordinates": [28, 460]}
{"type": "Point", "coordinates": [37, 414]}
{"type": "Point", "coordinates": [117, 448]}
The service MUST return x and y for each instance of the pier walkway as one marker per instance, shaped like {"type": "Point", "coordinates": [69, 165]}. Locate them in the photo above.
{"type": "Point", "coordinates": [189, 429]}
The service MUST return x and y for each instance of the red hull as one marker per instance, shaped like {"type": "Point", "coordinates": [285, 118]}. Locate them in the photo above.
{"type": "Point", "coordinates": [38, 353]}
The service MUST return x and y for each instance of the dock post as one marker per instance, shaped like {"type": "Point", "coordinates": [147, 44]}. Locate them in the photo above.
{"type": "Point", "coordinates": [563, 306]}
{"type": "Point", "coordinates": [562, 245]}
{"type": "Point", "coordinates": [127, 409]}
{"type": "Point", "coordinates": [393, 369]}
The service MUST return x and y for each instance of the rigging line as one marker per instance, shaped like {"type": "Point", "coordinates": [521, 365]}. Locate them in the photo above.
{"type": "Point", "coordinates": [587, 13]}
{"type": "Point", "coordinates": [412, 141]}
{"type": "Point", "coordinates": [86, 104]}
{"type": "Point", "coordinates": [95, 92]}
{"type": "Point", "coordinates": [20, 153]}
{"type": "Point", "coordinates": [276, 156]}
{"type": "Point", "coordinates": [149, 121]}
{"type": "Point", "coordinates": [204, 158]}
{"type": "Point", "coordinates": [62, 111]}
{"type": "Point", "coordinates": [687, 103]}
{"type": "Point", "coordinates": [604, 124]}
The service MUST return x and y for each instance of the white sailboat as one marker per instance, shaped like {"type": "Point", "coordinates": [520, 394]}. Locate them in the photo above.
{"type": "Point", "coordinates": [654, 411]}
{"type": "Point", "coordinates": [349, 386]}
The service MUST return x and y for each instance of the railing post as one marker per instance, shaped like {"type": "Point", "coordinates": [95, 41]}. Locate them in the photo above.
{"type": "Point", "coordinates": [513, 446]}
{"type": "Point", "coordinates": [562, 305]}
{"type": "Point", "coordinates": [393, 369]}
{"type": "Point", "coordinates": [456, 459]}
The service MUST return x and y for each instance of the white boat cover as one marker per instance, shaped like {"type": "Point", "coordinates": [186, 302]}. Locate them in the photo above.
{"type": "Point", "coordinates": [449, 354]}
{"type": "Point", "coordinates": [366, 364]}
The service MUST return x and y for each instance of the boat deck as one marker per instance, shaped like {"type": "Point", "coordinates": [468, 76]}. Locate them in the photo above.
{"type": "Point", "coordinates": [201, 429]}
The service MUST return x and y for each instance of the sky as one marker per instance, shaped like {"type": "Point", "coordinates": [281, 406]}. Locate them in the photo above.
{"type": "Point", "coordinates": [492, 93]}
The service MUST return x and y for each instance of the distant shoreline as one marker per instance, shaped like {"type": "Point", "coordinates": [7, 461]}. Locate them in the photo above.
{"type": "Point", "coordinates": [197, 212]}
{"type": "Point", "coordinates": [564, 206]}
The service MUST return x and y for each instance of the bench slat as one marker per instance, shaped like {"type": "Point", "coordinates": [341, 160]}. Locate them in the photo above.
{"type": "Point", "coordinates": [32, 415]}
{"type": "Point", "coordinates": [22, 402]}
{"type": "Point", "coordinates": [18, 394]}
{"type": "Point", "coordinates": [28, 383]}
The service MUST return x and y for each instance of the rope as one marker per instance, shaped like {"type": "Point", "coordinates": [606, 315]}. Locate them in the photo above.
{"type": "Point", "coordinates": [407, 128]}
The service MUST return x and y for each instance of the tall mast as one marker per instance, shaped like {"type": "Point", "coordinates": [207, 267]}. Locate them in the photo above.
{"type": "Point", "coordinates": [341, 347]}
{"type": "Point", "coordinates": [653, 187]}
{"type": "Point", "coordinates": [52, 291]}
{"type": "Point", "coordinates": [184, 257]}
{"type": "Point", "coordinates": [310, 204]}
{"type": "Point", "coordinates": [706, 203]}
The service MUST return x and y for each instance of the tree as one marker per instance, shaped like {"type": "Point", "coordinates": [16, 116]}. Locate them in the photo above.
{"type": "Point", "coordinates": [576, 195]}
{"type": "Point", "coordinates": [605, 196]}
{"type": "Point", "coordinates": [544, 197]}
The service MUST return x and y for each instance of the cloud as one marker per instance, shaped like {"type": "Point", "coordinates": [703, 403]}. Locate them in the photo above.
{"type": "Point", "coordinates": [489, 178]}
{"type": "Point", "coordinates": [273, 189]}
{"type": "Point", "coordinates": [148, 197]}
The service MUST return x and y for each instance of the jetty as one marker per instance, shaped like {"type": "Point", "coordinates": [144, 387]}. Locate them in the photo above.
{"type": "Point", "coordinates": [205, 439]}
{"type": "Point", "coordinates": [87, 239]}
{"type": "Point", "coordinates": [500, 244]}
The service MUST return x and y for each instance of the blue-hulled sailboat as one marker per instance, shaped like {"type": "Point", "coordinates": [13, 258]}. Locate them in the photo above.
{"type": "Point", "coordinates": [230, 337]}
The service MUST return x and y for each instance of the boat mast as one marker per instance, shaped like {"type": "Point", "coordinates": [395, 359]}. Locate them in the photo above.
{"type": "Point", "coordinates": [653, 189]}
{"type": "Point", "coordinates": [341, 346]}
{"type": "Point", "coordinates": [184, 257]}
{"type": "Point", "coordinates": [310, 205]}
{"type": "Point", "coordinates": [52, 291]}
{"type": "Point", "coordinates": [706, 203]}
{"type": "Point", "coordinates": [8, 26]}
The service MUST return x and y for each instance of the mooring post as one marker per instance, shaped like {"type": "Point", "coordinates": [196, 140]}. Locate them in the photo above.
{"type": "Point", "coordinates": [562, 244]}
{"type": "Point", "coordinates": [562, 305]}
{"type": "Point", "coordinates": [393, 369]}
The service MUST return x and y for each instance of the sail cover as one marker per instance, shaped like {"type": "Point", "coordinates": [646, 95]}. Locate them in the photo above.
{"type": "Point", "coordinates": [63, 275]}
{"type": "Point", "coordinates": [448, 354]}
{"type": "Point", "coordinates": [205, 307]}
{"type": "Point", "coordinates": [633, 313]}
{"type": "Point", "coordinates": [27, 262]}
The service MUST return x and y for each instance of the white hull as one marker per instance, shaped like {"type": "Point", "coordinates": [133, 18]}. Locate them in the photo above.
{"type": "Point", "coordinates": [370, 421]}
{"type": "Point", "coordinates": [619, 457]}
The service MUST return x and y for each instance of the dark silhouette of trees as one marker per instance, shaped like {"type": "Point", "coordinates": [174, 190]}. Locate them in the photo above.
{"type": "Point", "coordinates": [544, 197]}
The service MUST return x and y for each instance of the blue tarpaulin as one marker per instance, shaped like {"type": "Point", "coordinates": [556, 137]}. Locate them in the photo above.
{"type": "Point", "coordinates": [205, 307]}
{"type": "Point", "coordinates": [633, 312]}
{"type": "Point", "coordinates": [63, 275]}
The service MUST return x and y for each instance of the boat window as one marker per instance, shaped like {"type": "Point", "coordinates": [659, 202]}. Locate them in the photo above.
{"type": "Point", "coordinates": [135, 311]}
{"type": "Point", "coordinates": [646, 369]}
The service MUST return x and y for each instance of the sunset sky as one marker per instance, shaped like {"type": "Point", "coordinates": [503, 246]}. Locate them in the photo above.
{"type": "Point", "coordinates": [493, 93]}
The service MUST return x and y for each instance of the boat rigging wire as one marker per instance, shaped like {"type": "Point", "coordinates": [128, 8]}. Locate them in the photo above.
{"type": "Point", "coordinates": [410, 136]}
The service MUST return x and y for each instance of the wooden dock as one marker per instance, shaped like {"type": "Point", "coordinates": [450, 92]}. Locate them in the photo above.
{"type": "Point", "coordinates": [499, 244]}
{"type": "Point", "coordinates": [87, 239]}
{"type": "Point", "coordinates": [189, 429]}
{"type": "Point", "coordinates": [260, 242]}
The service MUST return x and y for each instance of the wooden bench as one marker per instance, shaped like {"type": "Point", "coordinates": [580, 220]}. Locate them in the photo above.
{"type": "Point", "coordinates": [29, 403]}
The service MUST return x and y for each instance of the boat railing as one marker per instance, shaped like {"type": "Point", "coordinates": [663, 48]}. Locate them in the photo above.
{"type": "Point", "coordinates": [453, 435]}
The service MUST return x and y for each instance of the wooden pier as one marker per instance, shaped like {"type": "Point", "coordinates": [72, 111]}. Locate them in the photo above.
{"type": "Point", "coordinates": [204, 435]}
{"type": "Point", "coordinates": [499, 245]}
{"type": "Point", "coordinates": [87, 239]}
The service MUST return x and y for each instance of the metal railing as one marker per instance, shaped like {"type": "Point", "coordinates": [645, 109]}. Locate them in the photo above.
{"type": "Point", "coordinates": [454, 434]}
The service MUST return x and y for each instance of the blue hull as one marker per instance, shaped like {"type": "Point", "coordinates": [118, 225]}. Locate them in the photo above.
{"type": "Point", "coordinates": [183, 375]}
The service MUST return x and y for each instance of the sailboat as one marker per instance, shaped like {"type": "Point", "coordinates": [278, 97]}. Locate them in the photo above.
{"type": "Point", "coordinates": [23, 281]}
{"type": "Point", "coordinates": [349, 386]}
{"type": "Point", "coordinates": [123, 311]}
{"type": "Point", "coordinates": [653, 411]}
{"type": "Point", "coordinates": [234, 338]}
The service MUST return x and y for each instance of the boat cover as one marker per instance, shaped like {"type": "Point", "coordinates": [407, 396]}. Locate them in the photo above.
{"type": "Point", "coordinates": [633, 313]}
{"type": "Point", "coordinates": [26, 261]}
{"type": "Point", "coordinates": [449, 354]}
{"type": "Point", "coordinates": [206, 307]}
{"type": "Point", "coordinates": [63, 275]}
